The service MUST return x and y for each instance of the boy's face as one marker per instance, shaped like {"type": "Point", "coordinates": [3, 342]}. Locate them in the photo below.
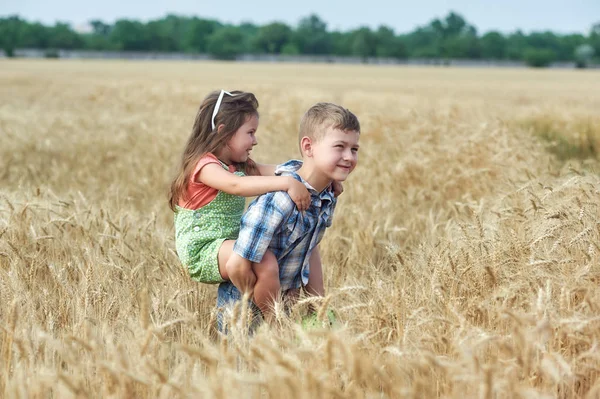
{"type": "Point", "coordinates": [336, 153]}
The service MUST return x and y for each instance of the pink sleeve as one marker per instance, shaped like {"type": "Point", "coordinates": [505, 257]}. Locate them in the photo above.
{"type": "Point", "coordinates": [205, 160]}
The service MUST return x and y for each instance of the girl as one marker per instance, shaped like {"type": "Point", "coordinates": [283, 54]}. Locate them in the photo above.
{"type": "Point", "coordinates": [207, 195]}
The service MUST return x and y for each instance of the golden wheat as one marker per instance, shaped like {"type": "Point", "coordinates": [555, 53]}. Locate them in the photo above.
{"type": "Point", "coordinates": [464, 260]}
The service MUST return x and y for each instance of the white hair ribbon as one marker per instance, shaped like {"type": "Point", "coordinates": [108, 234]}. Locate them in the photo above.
{"type": "Point", "coordinates": [218, 105]}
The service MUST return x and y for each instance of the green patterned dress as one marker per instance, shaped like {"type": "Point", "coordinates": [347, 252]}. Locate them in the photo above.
{"type": "Point", "coordinates": [199, 234]}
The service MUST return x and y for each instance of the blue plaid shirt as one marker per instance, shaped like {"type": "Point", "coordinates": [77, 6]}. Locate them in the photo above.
{"type": "Point", "coordinates": [273, 222]}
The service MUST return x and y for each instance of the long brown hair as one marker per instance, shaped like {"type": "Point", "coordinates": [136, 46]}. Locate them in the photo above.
{"type": "Point", "coordinates": [233, 112]}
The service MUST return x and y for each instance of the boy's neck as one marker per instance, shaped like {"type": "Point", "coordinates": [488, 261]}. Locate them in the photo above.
{"type": "Point", "coordinates": [313, 176]}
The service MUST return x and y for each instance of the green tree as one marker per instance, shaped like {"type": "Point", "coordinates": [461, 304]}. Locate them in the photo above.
{"type": "Point", "coordinates": [162, 36]}
{"type": "Point", "coordinates": [453, 25]}
{"type": "Point", "coordinates": [273, 37]}
{"type": "Point", "coordinates": [594, 38]}
{"type": "Point", "coordinates": [455, 37]}
{"type": "Point", "coordinates": [341, 43]}
{"type": "Point", "coordinates": [61, 36]}
{"type": "Point", "coordinates": [226, 43]}
{"type": "Point", "coordinates": [99, 38]}
{"type": "Point", "coordinates": [177, 27]}
{"type": "Point", "coordinates": [539, 58]}
{"type": "Point", "coordinates": [423, 42]}
{"type": "Point", "coordinates": [34, 35]}
{"type": "Point", "coordinates": [311, 36]}
{"type": "Point", "coordinates": [10, 31]}
{"type": "Point", "coordinates": [516, 44]}
{"type": "Point", "coordinates": [130, 36]}
{"type": "Point", "coordinates": [493, 46]}
{"type": "Point", "coordinates": [545, 41]}
{"type": "Point", "coordinates": [249, 32]}
{"type": "Point", "coordinates": [290, 49]}
{"type": "Point", "coordinates": [198, 33]}
{"type": "Point", "coordinates": [99, 27]}
{"type": "Point", "coordinates": [364, 43]}
{"type": "Point", "coordinates": [388, 44]}
{"type": "Point", "coordinates": [448, 37]}
{"type": "Point", "coordinates": [568, 44]}
{"type": "Point", "coordinates": [466, 45]}
{"type": "Point", "coordinates": [169, 33]}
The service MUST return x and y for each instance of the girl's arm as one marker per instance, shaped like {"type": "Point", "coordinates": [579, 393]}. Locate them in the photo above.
{"type": "Point", "coordinates": [269, 170]}
{"type": "Point", "coordinates": [266, 169]}
{"type": "Point", "coordinates": [215, 176]}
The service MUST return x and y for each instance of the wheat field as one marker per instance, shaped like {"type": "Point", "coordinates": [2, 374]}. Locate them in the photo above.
{"type": "Point", "coordinates": [464, 259]}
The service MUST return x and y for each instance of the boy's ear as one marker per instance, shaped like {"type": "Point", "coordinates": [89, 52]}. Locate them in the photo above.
{"type": "Point", "coordinates": [306, 145]}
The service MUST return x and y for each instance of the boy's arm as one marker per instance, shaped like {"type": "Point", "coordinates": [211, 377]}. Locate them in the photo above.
{"type": "Point", "coordinates": [315, 285]}
{"type": "Point", "coordinates": [315, 277]}
{"type": "Point", "coordinates": [260, 222]}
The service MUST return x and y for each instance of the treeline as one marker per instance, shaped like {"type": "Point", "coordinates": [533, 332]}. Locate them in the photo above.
{"type": "Point", "coordinates": [449, 38]}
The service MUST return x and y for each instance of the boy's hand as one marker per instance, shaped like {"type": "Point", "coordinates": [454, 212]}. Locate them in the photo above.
{"type": "Point", "coordinates": [241, 274]}
{"type": "Point", "coordinates": [337, 187]}
{"type": "Point", "coordinates": [299, 194]}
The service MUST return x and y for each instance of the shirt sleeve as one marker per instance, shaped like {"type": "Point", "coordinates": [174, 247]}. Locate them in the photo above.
{"type": "Point", "coordinates": [202, 162]}
{"type": "Point", "coordinates": [260, 223]}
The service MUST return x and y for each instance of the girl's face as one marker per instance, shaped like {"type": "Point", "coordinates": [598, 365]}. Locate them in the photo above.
{"type": "Point", "coordinates": [239, 146]}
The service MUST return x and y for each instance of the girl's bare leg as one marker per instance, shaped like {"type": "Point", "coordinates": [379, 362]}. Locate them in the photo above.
{"type": "Point", "coordinates": [224, 253]}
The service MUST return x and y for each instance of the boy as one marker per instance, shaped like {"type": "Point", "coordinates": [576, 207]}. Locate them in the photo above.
{"type": "Point", "coordinates": [328, 140]}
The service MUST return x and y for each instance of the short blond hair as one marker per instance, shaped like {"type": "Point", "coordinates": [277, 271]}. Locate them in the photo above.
{"type": "Point", "coordinates": [321, 116]}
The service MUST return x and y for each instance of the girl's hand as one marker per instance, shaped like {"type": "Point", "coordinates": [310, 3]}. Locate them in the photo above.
{"type": "Point", "coordinates": [337, 187]}
{"type": "Point", "coordinates": [299, 194]}
{"type": "Point", "coordinates": [245, 282]}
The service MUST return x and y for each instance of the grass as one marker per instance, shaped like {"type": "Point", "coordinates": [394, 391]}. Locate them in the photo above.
{"type": "Point", "coordinates": [463, 260]}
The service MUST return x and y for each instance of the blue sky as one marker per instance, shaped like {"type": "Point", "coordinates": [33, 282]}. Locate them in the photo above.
{"type": "Point", "coordinates": [402, 16]}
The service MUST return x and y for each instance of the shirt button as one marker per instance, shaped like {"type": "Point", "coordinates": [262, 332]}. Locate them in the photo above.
{"type": "Point", "coordinates": [197, 229]}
